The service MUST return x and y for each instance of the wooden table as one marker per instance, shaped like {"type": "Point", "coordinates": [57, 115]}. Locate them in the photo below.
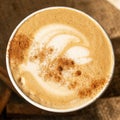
{"type": "Point", "coordinates": [107, 107]}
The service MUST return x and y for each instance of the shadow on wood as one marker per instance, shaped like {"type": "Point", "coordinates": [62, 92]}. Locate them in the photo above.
{"type": "Point", "coordinates": [114, 87]}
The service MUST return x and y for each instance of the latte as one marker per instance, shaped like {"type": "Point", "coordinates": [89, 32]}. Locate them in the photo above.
{"type": "Point", "coordinates": [60, 58]}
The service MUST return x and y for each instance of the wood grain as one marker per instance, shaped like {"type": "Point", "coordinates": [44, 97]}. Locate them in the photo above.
{"type": "Point", "coordinates": [5, 78]}
{"type": "Point", "coordinates": [4, 97]}
{"type": "Point", "coordinates": [102, 109]}
{"type": "Point", "coordinates": [114, 87]}
{"type": "Point", "coordinates": [5, 91]}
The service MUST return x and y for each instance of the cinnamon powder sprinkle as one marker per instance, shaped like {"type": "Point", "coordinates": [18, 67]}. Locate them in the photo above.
{"type": "Point", "coordinates": [72, 85]}
{"type": "Point", "coordinates": [18, 47]}
{"type": "Point", "coordinates": [94, 86]}
{"type": "Point", "coordinates": [44, 53]}
{"type": "Point", "coordinates": [65, 63]}
{"type": "Point", "coordinates": [54, 69]}
{"type": "Point", "coordinates": [78, 73]}
{"type": "Point", "coordinates": [41, 55]}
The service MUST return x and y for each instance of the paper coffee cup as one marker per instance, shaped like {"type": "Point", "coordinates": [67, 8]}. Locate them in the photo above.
{"type": "Point", "coordinates": [83, 35]}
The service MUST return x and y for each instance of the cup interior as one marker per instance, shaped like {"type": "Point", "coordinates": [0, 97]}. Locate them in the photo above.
{"type": "Point", "coordinates": [24, 95]}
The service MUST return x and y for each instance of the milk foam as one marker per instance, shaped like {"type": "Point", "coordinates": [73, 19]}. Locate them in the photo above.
{"type": "Point", "coordinates": [57, 36]}
{"type": "Point", "coordinates": [59, 64]}
{"type": "Point", "coordinates": [79, 54]}
{"type": "Point", "coordinates": [50, 86]}
{"type": "Point", "coordinates": [53, 30]}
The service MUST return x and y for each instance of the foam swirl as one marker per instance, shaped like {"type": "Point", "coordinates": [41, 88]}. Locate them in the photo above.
{"type": "Point", "coordinates": [56, 51]}
{"type": "Point", "coordinates": [65, 40]}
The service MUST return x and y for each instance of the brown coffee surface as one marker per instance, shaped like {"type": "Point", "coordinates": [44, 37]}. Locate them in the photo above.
{"type": "Point", "coordinates": [60, 58]}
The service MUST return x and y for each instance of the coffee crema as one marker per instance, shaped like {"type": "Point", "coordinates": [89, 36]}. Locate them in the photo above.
{"type": "Point", "coordinates": [60, 58]}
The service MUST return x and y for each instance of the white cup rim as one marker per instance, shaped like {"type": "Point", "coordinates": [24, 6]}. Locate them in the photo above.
{"type": "Point", "coordinates": [30, 100]}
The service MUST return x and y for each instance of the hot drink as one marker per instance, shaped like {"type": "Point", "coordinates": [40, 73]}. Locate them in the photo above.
{"type": "Point", "coordinates": [60, 58]}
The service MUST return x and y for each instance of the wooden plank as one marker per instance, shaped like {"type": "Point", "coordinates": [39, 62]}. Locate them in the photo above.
{"type": "Point", "coordinates": [107, 108]}
{"type": "Point", "coordinates": [114, 87]}
{"type": "Point", "coordinates": [5, 78]}
{"type": "Point", "coordinates": [5, 92]}
{"type": "Point", "coordinates": [4, 97]}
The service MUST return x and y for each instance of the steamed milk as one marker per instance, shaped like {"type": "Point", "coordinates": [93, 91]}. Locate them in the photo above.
{"type": "Point", "coordinates": [60, 58]}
